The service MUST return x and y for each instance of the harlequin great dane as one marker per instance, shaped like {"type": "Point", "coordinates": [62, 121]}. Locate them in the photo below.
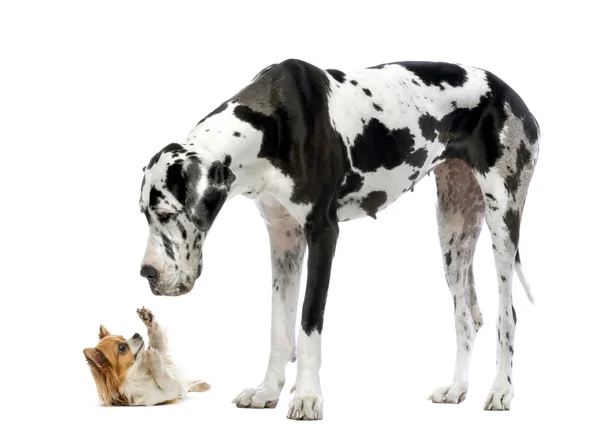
{"type": "Point", "coordinates": [315, 147]}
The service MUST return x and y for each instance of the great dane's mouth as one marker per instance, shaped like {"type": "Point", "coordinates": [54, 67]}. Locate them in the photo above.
{"type": "Point", "coordinates": [177, 291]}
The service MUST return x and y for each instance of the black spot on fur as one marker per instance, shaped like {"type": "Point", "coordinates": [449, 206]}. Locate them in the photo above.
{"type": "Point", "coordinates": [155, 197]}
{"type": "Point", "coordinates": [338, 75]}
{"type": "Point", "coordinates": [176, 182]}
{"type": "Point", "coordinates": [236, 134]}
{"type": "Point", "coordinates": [377, 107]}
{"type": "Point", "coordinates": [372, 202]}
{"type": "Point", "coordinates": [434, 73]}
{"type": "Point", "coordinates": [353, 181]}
{"type": "Point", "coordinates": [417, 158]}
{"type": "Point", "coordinates": [454, 300]}
{"type": "Point", "coordinates": [512, 221]}
{"type": "Point", "coordinates": [353, 82]}
{"type": "Point", "coordinates": [491, 197]}
{"type": "Point", "coordinates": [169, 148]}
{"type": "Point", "coordinates": [221, 108]}
{"type": "Point", "coordinates": [227, 160]}
{"type": "Point", "coordinates": [513, 181]}
{"type": "Point", "coordinates": [448, 257]}
{"type": "Point", "coordinates": [414, 176]}
{"type": "Point", "coordinates": [168, 246]}
{"type": "Point", "coordinates": [508, 379]}
{"type": "Point", "coordinates": [182, 230]}
{"type": "Point", "coordinates": [367, 91]}
{"type": "Point", "coordinates": [416, 83]}
{"type": "Point", "coordinates": [512, 352]}
{"type": "Point", "coordinates": [503, 278]}
{"type": "Point", "coordinates": [514, 313]}
{"type": "Point", "coordinates": [427, 124]}
{"type": "Point", "coordinates": [377, 146]}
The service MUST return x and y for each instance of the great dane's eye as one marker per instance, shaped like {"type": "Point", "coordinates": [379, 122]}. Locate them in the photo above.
{"type": "Point", "coordinates": [122, 348]}
{"type": "Point", "coordinates": [164, 216]}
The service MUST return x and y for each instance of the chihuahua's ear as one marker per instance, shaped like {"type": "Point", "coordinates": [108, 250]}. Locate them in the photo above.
{"type": "Point", "coordinates": [103, 332]}
{"type": "Point", "coordinates": [95, 356]}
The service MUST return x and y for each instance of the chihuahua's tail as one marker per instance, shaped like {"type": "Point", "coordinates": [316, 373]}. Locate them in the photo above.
{"type": "Point", "coordinates": [198, 386]}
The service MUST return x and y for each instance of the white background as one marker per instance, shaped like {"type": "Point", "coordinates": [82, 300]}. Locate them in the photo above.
{"type": "Point", "coordinates": [90, 91]}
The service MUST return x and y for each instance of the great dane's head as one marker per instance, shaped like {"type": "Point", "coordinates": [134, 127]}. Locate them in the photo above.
{"type": "Point", "coordinates": [182, 193]}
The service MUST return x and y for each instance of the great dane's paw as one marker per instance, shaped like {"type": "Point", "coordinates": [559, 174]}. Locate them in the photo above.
{"type": "Point", "coordinates": [306, 408]}
{"type": "Point", "coordinates": [450, 394]}
{"type": "Point", "coordinates": [499, 397]}
{"type": "Point", "coordinates": [146, 316]}
{"type": "Point", "coordinates": [261, 397]}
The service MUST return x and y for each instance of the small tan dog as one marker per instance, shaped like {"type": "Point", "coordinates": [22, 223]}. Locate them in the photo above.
{"type": "Point", "coordinates": [127, 374]}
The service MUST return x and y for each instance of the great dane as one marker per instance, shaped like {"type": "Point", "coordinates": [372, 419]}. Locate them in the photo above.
{"type": "Point", "coordinates": [315, 147]}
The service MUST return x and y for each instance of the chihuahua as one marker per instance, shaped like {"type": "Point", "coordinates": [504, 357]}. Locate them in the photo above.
{"type": "Point", "coordinates": [127, 374]}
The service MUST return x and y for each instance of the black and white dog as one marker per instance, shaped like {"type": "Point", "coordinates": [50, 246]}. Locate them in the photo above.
{"type": "Point", "coordinates": [315, 147]}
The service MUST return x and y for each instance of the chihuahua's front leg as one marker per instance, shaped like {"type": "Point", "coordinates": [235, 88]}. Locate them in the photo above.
{"type": "Point", "coordinates": [158, 339]}
{"type": "Point", "coordinates": [171, 387]}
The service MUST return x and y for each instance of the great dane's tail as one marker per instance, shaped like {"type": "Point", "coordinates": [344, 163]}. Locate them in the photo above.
{"type": "Point", "coordinates": [519, 269]}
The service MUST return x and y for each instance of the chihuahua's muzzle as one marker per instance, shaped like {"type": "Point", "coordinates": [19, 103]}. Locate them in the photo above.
{"type": "Point", "coordinates": [136, 343]}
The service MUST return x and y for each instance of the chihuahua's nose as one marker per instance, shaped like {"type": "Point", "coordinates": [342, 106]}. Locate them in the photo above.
{"type": "Point", "coordinates": [148, 272]}
{"type": "Point", "coordinates": [136, 335]}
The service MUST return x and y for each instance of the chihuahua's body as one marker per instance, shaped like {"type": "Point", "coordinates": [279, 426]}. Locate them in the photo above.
{"type": "Point", "coordinates": [128, 374]}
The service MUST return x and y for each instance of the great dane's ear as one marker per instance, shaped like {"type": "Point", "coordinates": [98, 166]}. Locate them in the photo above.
{"type": "Point", "coordinates": [220, 174]}
{"type": "Point", "coordinates": [103, 332]}
{"type": "Point", "coordinates": [206, 195]}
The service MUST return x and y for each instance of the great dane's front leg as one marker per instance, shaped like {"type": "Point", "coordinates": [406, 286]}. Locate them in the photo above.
{"type": "Point", "coordinates": [288, 246]}
{"type": "Point", "coordinates": [307, 403]}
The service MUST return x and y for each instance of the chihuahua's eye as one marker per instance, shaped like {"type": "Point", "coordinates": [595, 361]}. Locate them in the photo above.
{"type": "Point", "coordinates": [122, 348]}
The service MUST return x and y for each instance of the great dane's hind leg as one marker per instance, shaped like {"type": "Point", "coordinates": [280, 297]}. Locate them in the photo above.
{"type": "Point", "coordinates": [288, 246]}
{"type": "Point", "coordinates": [460, 212]}
{"type": "Point", "coordinates": [505, 190]}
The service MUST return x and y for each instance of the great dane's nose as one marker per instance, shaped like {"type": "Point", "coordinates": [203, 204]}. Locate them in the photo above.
{"type": "Point", "coordinates": [148, 272]}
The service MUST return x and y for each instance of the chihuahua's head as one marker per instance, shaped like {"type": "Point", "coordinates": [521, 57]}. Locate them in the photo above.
{"type": "Point", "coordinates": [110, 362]}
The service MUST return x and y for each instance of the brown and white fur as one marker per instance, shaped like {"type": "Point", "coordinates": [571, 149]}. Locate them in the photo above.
{"type": "Point", "coordinates": [128, 374]}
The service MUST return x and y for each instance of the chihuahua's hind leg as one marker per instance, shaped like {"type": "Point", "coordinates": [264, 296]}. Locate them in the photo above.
{"type": "Point", "coordinates": [199, 386]}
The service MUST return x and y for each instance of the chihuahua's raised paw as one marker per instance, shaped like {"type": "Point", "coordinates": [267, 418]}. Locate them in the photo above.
{"type": "Point", "coordinates": [146, 316]}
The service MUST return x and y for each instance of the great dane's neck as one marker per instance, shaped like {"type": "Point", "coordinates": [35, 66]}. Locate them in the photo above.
{"type": "Point", "coordinates": [221, 136]}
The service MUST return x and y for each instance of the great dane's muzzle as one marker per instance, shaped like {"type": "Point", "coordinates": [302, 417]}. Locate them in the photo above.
{"type": "Point", "coordinates": [152, 276]}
